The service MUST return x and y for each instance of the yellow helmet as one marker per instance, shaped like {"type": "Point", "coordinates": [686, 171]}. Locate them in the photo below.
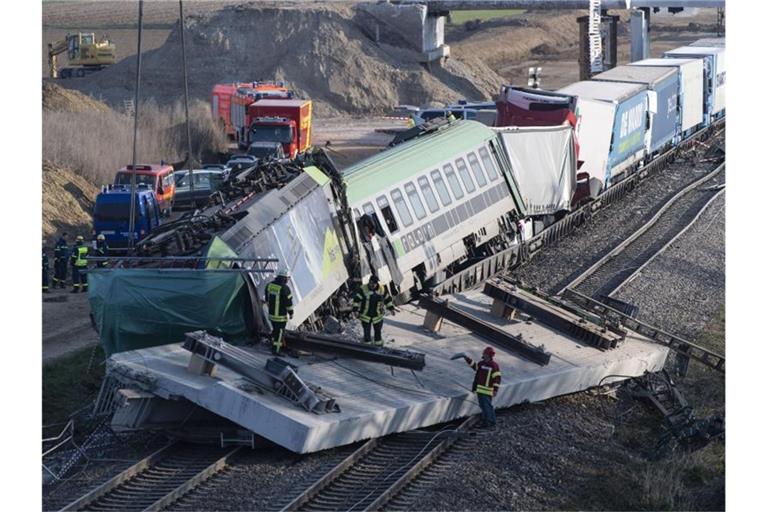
{"type": "Point", "coordinates": [79, 238]}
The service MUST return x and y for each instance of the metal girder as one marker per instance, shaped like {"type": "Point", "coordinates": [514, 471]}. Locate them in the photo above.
{"type": "Point", "coordinates": [278, 375]}
{"type": "Point", "coordinates": [679, 345]}
{"type": "Point", "coordinates": [329, 344]}
{"type": "Point", "coordinates": [489, 332]}
{"type": "Point", "coordinates": [549, 313]}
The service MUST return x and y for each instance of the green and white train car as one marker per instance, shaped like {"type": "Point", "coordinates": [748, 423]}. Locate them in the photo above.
{"type": "Point", "coordinates": [430, 203]}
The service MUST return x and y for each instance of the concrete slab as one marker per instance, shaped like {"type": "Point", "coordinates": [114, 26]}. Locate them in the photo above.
{"type": "Point", "coordinates": [376, 400]}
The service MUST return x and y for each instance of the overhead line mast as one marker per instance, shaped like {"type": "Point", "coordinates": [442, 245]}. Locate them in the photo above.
{"type": "Point", "coordinates": [132, 219]}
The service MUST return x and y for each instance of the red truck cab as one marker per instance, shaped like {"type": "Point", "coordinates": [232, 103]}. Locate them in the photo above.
{"type": "Point", "coordinates": [158, 177]}
{"type": "Point", "coordinates": [280, 120]}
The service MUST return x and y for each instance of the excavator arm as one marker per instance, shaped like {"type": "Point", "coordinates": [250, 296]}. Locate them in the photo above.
{"type": "Point", "coordinates": [54, 49]}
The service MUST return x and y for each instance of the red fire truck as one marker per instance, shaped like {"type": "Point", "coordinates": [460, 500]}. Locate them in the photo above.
{"type": "Point", "coordinates": [230, 101]}
{"type": "Point", "coordinates": [263, 112]}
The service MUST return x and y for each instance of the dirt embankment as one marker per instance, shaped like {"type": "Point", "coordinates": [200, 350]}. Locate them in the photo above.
{"type": "Point", "coordinates": [319, 50]}
{"type": "Point", "coordinates": [67, 202]}
{"type": "Point", "coordinates": [60, 99]}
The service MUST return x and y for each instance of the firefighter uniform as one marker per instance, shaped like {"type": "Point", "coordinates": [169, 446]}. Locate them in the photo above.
{"type": "Point", "coordinates": [486, 384]}
{"type": "Point", "coordinates": [280, 303]}
{"type": "Point", "coordinates": [102, 250]}
{"type": "Point", "coordinates": [45, 271]}
{"type": "Point", "coordinates": [79, 264]}
{"type": "Point", "coordinates": [60, 256]}
{"type": "Point", "coordinates": [370, 302]}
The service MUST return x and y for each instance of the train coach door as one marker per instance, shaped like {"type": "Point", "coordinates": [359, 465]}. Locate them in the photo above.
{"type": "Point", "coordinates": [377, 245]}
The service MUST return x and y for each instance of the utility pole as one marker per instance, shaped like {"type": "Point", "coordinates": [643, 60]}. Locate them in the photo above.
{"type": "Point", "coordinates": [190, 160]}
{"type": "Point", "coordinates": [132, 219]}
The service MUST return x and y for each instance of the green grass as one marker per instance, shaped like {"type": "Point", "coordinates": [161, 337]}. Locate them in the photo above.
{"type": "Point", "coordinates": [459, 17]}
{"type": "Point", "coordinates": [69, 385]}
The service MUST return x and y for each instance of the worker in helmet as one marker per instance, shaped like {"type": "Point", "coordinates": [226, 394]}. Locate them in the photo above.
{"type": "Point", "coordinates": [45, 269]}
{"type": "Point", "coordinates": [79, 265]}
{"type": "Point", "coordinates": [102, 249]}
{"type": "Point", "coordinates": [486, 384]}
{"type": "Point", "coordinates": [280, 303]}
{"type": "Point", "coordinates": [370, 303]}
{"type": "Point", "coordinates": [60, 257]}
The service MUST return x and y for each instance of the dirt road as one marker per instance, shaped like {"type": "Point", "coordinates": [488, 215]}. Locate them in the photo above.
{"type": "Point", "coordinates": [66, 324]}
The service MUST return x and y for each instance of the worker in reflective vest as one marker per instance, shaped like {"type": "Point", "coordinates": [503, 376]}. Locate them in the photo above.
{"type": "Point", "coordinates": [79, 264]}
{"type": "Point", "coordinates": [60, 254]}
{"type": "Point", "coordinates": [486, 384]}
{"type": "Point", "coordinates": [45, 271]}
{"type": "Point", "coordinates": [370, 302]}
{"type": "Point", "coordinates": [280, 303]}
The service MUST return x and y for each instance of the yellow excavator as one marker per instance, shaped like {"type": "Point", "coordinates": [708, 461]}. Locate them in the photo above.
{"type": "Point", "coordinates": [82, 50]}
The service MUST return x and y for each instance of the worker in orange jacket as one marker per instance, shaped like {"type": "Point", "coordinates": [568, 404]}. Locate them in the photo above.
{"type": "Point", "coordinates": [486, 384]}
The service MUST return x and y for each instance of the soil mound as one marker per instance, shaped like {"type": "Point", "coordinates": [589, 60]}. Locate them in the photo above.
{"type": "Point", "coordinates": [67, 202]}
{"type": "Point", "coordinates": [59, 99]}
{"type": "Point", "coordinates": [319, 50]}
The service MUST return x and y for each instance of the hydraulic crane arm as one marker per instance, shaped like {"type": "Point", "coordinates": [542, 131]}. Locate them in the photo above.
{"type": "Point", "coordinates": [54, 49]}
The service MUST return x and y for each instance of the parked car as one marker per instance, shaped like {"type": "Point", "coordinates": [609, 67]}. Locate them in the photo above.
{"type": "Point", "coordinates": [240, 162]}
{"type": "Point", "coordinates": [206, 181]}
{"type": "Point", "coordinates": [266, 150]}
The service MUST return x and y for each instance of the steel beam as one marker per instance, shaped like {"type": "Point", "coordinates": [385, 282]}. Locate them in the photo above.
{"type": "Point", "coordinates": [332, 345]}
{"type": "Point", "coordinates": [550, 314]}
{"type": "Point", "coordinates": [489, 332]}
{"type": "Point", "coordinates": [676, 343]}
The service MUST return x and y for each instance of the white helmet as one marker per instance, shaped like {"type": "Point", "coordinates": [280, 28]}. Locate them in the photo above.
{"type": "Point", "coordinates": [283, 272]}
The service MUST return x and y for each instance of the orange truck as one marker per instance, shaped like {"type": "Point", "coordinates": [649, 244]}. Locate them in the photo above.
{"type": "Point", "coordinates": [288, 122]}
{"type": "Point", "coordinates": [230, 101]}
{"type": "Point", "coordinates": [157, 177]}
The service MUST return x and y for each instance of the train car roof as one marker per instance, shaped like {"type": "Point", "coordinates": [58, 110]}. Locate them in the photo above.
{"type": "Point", "coordinates": [604, 91]}
{"type": "Point", "coordinates": [675, 62]}
{"type": "Point", "coordinates": [380, 171]}
{"type": "Point", "coordinates": [695, 51]}
{"type": "Point", "coordinates": [637, 74]}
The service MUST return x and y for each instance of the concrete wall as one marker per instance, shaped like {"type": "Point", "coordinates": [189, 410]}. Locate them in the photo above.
{"type": "Point", "coordinates": [401, 25]}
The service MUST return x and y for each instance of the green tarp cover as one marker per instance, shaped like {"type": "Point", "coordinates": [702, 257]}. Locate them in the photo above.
{"type": "Point", "coordinates": [138, 308]}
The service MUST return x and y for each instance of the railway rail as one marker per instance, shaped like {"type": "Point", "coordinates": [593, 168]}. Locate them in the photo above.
{"type": "Point", "coordinates": [623, 262]}
{"type": "Point", "coordinates": [475, 275]}
{"type": "Point", "coordinates": [380, 471]}
{"type": "Point", "coordinates": [157, 481]}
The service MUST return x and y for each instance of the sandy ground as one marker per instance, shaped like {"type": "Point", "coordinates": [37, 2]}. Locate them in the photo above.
{"type": "Point", "coordinates": [66, 324]}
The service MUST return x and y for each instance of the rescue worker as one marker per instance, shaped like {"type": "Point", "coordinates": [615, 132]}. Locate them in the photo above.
{"type": "Point", "coordinates": [102, 250]}
{"type": "Point", "coordinates": [79, 264]}
{"type": "Point", "coordinates": [486, 384]}
{"type": "Point", "coordinates": [60, 256]}
{"type": "Point", "coordinates": [280, 303]}
{"type": "Point", "coordinates": [45, 271]}
{"type": "Point", "coordinates": [369, 303]}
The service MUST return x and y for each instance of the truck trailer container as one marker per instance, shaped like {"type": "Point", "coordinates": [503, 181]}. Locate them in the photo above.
{"type": "Point", "coordinates": [710, 42]}
{"type": "Point", "coordinates": [714, 76]}
{"type": "Point", "coordinates": [691, 93]}
{"type": "Point", "coordinates": [612, 127]}
{"type": "Point", "coordinates": [286, 121]}
{"type": "Point", "coordinates": [663, 84]}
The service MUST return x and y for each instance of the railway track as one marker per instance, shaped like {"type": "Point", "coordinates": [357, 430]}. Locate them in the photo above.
{"type": "Point", "coordinates": [157, 481]}
{"type": "Point", "coordinates": [622, 263]}
{"type": "Point", "coordinates": [384, 471]}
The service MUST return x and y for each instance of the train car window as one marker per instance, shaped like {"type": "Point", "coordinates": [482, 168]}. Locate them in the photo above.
{"type": "Point", "coordinates": [490, 167]}
{"type": "Point", "coordinates": [389, 216]}
{"type": "Point", "coordinates": [465, 177]}
{"type": "Point", "coordinates": [371, 213]}
{"type": "Point", "coordinates": [477, 170]}
{"type": "Point", "coordinates": [402, 208]}
{"type": "Point", "coordinates": [442, 190]}
{"type": "Point", "coordinates": [429, 194]}
{"type": "Point", "coordinates": [415, 200]}
{"type": "Point", "coordinates": [453, 181]}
